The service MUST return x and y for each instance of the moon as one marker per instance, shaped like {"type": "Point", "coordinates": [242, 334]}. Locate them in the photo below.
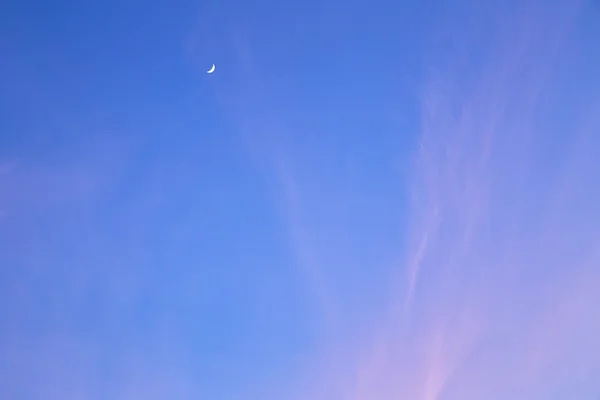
{"type": "Point", "coordinates": [211, 70]}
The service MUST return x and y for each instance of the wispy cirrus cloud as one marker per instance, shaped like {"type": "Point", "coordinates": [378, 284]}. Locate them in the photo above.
{"type": "Point", "coordinates": [495, 263]}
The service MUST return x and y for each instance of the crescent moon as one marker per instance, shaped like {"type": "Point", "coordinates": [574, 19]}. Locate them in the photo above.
{"type": "Point", "coordinates": [211, 70]}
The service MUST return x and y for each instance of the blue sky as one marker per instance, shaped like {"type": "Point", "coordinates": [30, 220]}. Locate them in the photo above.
{"type": "Point", "coordinates": [366, 200]}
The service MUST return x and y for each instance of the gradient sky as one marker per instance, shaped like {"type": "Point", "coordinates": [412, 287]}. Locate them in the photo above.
{"type": "Point", "coordinates": [366, 201]}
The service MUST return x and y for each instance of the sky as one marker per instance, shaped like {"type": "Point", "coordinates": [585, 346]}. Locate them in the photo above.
{"type": "Point", "coordinates": [367, 200]}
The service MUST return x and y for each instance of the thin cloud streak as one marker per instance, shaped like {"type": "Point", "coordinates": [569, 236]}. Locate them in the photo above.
{"type": "Point", "coordinates": [268, 141]}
